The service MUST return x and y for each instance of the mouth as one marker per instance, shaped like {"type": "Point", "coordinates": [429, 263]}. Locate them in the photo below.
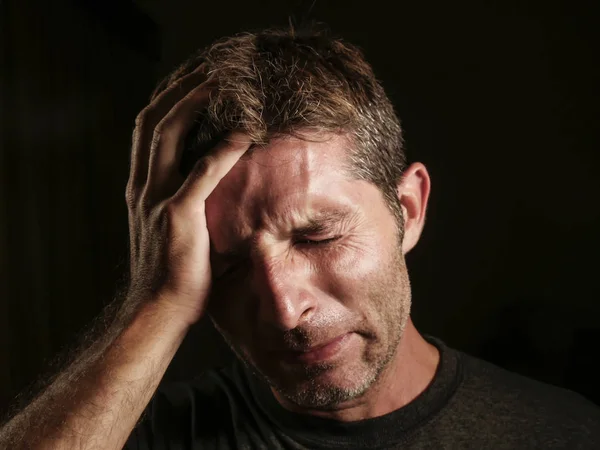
{"type": "Point", "coordinates": [319, 353]}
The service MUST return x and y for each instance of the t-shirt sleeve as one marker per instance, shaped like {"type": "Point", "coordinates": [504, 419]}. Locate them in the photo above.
{"type": "Point", "coordinates": [174, 418]}
{"type": "Point", "coordinates": [141, 436]}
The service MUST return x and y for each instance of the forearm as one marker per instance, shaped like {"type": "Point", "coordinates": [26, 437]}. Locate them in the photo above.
{"type": "Point", "coordinates": [98, 400]}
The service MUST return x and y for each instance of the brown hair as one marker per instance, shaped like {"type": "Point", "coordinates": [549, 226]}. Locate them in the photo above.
{"type": "Point", "coordinates": [283, 82]}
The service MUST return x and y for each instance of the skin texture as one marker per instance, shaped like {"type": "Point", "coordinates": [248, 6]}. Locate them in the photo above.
{"type": "Point", "coordinates": [284, 292]}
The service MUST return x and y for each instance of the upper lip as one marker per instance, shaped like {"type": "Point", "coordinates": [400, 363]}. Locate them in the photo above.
{"type": "Point", "coordinates": [304, 349]}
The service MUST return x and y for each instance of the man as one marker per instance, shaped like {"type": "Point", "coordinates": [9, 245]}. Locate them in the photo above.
{"type": "Point", "coordinates": [269, 190]}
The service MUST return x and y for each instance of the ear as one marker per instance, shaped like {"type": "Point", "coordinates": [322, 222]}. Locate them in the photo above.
{"type": "Point", "coordinates": [413, 193]}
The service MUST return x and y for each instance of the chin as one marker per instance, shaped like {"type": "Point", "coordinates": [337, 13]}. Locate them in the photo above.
{"type": "Point", "coordinates": [329, 384]}
{"type": "Point", "coordinates": [320, 385]}
{"type": "Point", "coordinates": [326, 388]}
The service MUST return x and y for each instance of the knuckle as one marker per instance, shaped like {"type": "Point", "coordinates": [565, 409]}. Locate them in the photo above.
{"type": "Point", "coordinates": [169, 209]}
{"type": "Point", "coordinates": [205, 166]}
{"type": "Point", "coordinates": [170, 212]}
{"type": "Point", "coordinates": [145, 205]}
{"type": "Point", "coordinates": [157, 138]}
{"type": "Point", "coordinates": [160, 127]}
{"type": "Point", "coordinates": [164, 128]}
{"type": "Point", "coordinates": [130, 194]}
{"type": "Point", "coordinates": [144, 202]}
{"type": "Point", "coordinates": [142, 117]}
{"type": "Point", "coordinates": [165, 123]}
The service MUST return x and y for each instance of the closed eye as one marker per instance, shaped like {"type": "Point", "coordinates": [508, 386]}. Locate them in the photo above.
{"type": "Point", "coordinates": [319, 242]}
{"type": "Point", "coordinates": [236, 266]}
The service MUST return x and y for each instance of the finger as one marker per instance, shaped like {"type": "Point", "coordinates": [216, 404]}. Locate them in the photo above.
{"type": "Point", "coordinates": [149, 117]}
{"type": "Point", "coordinates": [211, 169]}
{"type": "Point", "coordinates": [169, 140]}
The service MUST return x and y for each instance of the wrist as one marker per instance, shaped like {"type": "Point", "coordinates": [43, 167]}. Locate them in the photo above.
{"type": "Point", "coordinates": [171, 307]}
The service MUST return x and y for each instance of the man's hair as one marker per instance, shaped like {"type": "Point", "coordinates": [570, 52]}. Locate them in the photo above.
{"type": "Point", "coordinates": [285, 82]}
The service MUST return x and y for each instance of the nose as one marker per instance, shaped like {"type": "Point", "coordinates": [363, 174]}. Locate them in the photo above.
{"type": "Point", "coordinates": [282, 292]}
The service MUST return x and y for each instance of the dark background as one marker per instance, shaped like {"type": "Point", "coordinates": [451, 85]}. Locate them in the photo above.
{"type": "Point", "coordinates": [499, 100]}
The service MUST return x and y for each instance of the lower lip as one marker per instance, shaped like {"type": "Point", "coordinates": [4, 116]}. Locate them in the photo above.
{"type": "Point", "coordinates": [322, 353]}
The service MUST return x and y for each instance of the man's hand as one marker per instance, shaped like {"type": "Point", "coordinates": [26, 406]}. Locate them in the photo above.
{"type": "Point", "coordinates": [170, 246]}
{"type": "Point", "coordinates": [169, 286]}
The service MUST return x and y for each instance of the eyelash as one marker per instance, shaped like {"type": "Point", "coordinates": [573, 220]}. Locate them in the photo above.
{"type": "Point", "coordinates": [321, 242]}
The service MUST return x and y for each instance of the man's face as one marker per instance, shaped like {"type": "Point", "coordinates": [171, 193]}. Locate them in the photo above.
{"type": "Point", "coordinates": [286, 292]}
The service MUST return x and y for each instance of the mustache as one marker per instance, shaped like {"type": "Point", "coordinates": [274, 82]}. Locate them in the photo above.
{"type": "Point", "coordinates": [302, 338]}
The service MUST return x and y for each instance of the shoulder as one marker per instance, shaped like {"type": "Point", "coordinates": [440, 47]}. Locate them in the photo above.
{"type": "Point", "coordinates": [504, 400]}
{"type": "Point", "coordinates": [214, 392]}
{"type": "Point", "coordinates": [195, 411]}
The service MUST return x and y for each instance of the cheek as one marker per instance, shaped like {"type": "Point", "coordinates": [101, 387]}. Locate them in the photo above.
{"type": "Point", "coordinates": [347, 271]}
{"type": "Point", "coordinates": [367, 281]}
{"type": "Point", "coordinates": [358, 263]}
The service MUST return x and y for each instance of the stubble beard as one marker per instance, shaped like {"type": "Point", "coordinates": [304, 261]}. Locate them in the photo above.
{"type": "Point", "coordinates": [391, 296]}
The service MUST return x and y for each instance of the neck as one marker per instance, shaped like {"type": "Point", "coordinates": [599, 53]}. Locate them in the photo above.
{"type": "Point", "coordinates": [407, 376]}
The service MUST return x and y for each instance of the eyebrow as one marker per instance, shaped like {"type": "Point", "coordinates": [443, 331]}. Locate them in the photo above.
{"type": "Point", "coordinates": [319, 222]}
{"type": "Point", "coordinates": [323, 221]}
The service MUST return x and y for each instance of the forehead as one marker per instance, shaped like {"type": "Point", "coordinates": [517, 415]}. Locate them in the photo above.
{"type": "Point", "coordinates": [282, 182]}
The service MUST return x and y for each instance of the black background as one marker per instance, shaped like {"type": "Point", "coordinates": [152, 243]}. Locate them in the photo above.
{"type": "Point", "coordinates": [498, 99]}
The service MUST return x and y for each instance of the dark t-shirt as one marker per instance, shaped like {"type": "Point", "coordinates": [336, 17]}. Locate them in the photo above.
{"type": "Point", "coordinates": [470, 404]}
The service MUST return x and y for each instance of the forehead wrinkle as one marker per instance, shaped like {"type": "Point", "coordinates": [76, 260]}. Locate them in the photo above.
{"type": "Point", "coordinates": [281, 186]}
{"type": "Point", "coordinates": [288, 196]}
